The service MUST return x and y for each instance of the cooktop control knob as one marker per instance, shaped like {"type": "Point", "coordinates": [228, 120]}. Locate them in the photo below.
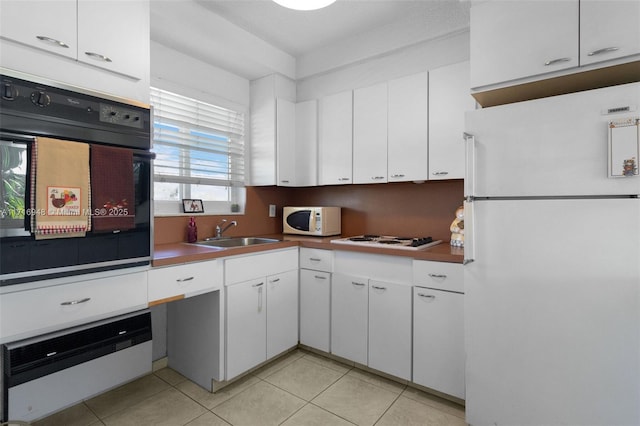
{"type": "Point", "coordinates": [9, 91]}
{"type": "Point", "coordinates": [40, 99]}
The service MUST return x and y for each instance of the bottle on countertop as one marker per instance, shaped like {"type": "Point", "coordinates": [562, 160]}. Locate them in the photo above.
{"type": "Point", "coordinates": [192, 231]}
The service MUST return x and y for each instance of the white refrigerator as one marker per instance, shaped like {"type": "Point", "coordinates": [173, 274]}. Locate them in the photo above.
{"type": "Point", "coordinates": [552, 261]}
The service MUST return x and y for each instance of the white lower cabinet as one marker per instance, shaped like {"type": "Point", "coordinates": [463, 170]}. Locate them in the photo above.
{"type": "Point", "coordinates": [261, 312]}
{"type": "Point", "coordinates": [371, 311]}
{"type": "Point", "coordinates": [371, 323]}
{"type": "Point", "coordinates": [246, 326]}
{"type": "Point", "coordinates": [438, 341]}
{"type": "Point", "coordinates": [438, 327]}
{"type": "Point", "coordinates": [315, 309]}
{"type": "Point", "coordinates": [316, 266]}
{"type": "Point", "coordinates": [282, 312]}
{"type": "Point", "coordinates": [349, 317]}
{"type": "Point", "coordinates": [390, 328]}
{"type": "Point", "coordinates": [186, 280]}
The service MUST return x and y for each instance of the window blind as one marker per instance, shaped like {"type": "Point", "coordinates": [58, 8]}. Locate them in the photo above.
{"type": "Point", "coordinates": [196, 142]}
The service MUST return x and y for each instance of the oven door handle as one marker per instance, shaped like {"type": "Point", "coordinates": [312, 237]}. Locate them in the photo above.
{"type": "Point", "coordinates": [15, 137]}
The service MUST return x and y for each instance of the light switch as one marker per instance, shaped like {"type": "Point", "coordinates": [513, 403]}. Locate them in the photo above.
{"type": "Point", "coordinates": [272, 210]}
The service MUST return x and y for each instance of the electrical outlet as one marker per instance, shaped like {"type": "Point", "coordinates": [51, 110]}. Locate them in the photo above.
{"type": "Point", "coordinates": [272, 210]}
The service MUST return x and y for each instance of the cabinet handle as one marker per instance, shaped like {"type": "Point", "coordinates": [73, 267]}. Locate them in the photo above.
{"type": "Point", "coordinates": [75, 302]}
{"type": "Point", "coordinates": [181, 280]}
{"type": "Point", "coordinates": [440, 173]}
{"type": "Point", "coordinates": [53, 41]}
{"type": "Point", "coordinates": [98, 56]}
{"type": "Point", "coordinates": [377, 177]}
{"type": "Point", "coordinates": [257, 285]}
{"type": "Point", "coordinates": [438, 276]}
{"type": "Point", "coordinates": [358, 284]}
{"type": "Point", "coordinates": [556, 61]}
{"type": "Point", "coordinates": [427, 296]}
{"type": "Point", "coordinates": [397, 176]}
{"type": "Point", "coordinates": [376, 287]}
{"type": "Point", "coordinates": [604, 50]}
{"type": "Point", "coordinates": [343, 179]}
{"type": "Point", "coordinates": [319, 277]}
{"type": "Point", "coordinates": [275, 280]}
{"type": "Point", "coordinates": [314, 259]}
{"type": "Point", "coordinates": [284, 181]}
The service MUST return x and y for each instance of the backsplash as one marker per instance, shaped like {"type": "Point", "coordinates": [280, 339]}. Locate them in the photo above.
{"type": "Point", "coordinates": [402, 209]}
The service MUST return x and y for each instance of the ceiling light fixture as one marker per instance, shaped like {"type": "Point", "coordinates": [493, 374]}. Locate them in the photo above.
{"type": "Point", "coordinates": [304, 4]}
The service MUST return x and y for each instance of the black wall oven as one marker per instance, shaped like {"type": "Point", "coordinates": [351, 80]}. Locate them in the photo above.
{"type": "Point", "coordinates": [30, 110]}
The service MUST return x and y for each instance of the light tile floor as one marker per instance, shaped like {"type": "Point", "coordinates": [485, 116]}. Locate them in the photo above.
{"type": "Point", "coordinates": [300, 388]}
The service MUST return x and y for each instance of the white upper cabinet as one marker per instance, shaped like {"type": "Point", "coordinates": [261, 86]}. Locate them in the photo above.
{"type": "Point", "coordinates": [335, 139]}
{"type": "Point", "coordinates": [296, 134]}
{"type": "Point", "coordinates": [106, 34]}
{"type": "Point", "coordinates": [264, 122]}
{"type": "Point", "coordinates": [370, 134]}
{"type": "Point", "coordinates": [516, 39]}
{"type": "Point", "coordinates": [408, 149]}
{"type": "Point", "coordinates": [608, 30]}
{"type": "Point", "coordinates": [306, 161]}
{"type": "Point", "coordinates": [286, 142]}
{"type": "Point", "coordinates": [515, 42]}
{"type": "Point", "coordinates": [449, 98]}
{"type": "Point", "coordinates": [113, 35]}
{"type": "Point", "coordinates": [46, 25]}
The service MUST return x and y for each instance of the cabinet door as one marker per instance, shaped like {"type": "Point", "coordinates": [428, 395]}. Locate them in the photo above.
{"type": "Point", "coordinates": [370, 134]}
{"type": "Point", "coordinates": [408, 129]}
{"type": "Point", "coordinates": [103, 45]}
{"type": "Point", "coordinates": [47, 25]}
{"type": "Point", "coordinates": [608, 30]}
{"type": "Point", "coordinates": [286, 142]}
{"type": "Point", "coordinates": [390, 328]}
{"type": "Point", "coordinates": [315, 309]}
{"type": "Point", "coordinates": [349, 306]}
{"type": "Point", "coordinates": [306, 143]}
{"type": "Point", "coordinates": [517, 39]}
{"type": "Point", "coordinates": [282, 312]}
{"type": "Point", "coordinates": [246, 326]}
{"type": "Point", "coordinates": [449, 98]}
{"type": "Point", "coordinates": [438, 341]}
{"type": "Point", "coordinates": [335, 139]}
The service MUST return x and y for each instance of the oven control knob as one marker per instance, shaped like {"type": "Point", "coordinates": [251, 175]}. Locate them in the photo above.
{"type": "Point", "coordinates": [40, 99]}
{"type": "Point", "coordinates": [9, 91]}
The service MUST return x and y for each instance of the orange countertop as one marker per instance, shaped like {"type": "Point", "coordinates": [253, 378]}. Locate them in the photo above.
{"type": "Point", "coordinates": [175, 253]}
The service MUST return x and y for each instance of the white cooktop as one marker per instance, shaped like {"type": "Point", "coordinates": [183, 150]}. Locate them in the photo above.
{"type": "Point", "coordinates": [385, 241]}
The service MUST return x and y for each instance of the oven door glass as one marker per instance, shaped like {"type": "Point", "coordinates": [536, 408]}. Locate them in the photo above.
{"type": "Point", "coordinates": [14, 167]}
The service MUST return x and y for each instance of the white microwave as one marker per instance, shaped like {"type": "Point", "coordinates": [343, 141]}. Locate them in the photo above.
{"type": "Point", "coordinates": [318, 221]}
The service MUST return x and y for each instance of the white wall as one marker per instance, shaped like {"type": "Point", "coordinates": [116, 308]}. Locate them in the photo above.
{"type": "Point", "coordinates": [408, 60]}
{"type": "Point", "coordinates": [176, 72]}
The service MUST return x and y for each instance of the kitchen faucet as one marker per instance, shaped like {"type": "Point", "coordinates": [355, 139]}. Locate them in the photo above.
{"type": "Point", "coordinates": [220, 230]}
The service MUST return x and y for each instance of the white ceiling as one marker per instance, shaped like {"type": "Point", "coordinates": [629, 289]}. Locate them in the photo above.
{"type": "Point", "coordinates": [366, 27]}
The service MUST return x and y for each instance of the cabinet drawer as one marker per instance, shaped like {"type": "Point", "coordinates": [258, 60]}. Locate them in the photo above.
{"type": "Point", "coordinates": [66, 305]}
{"type": "Point", "coordinates": [439, 275]}
{"type": "Point", "coordinates": [245, 268]}
{"type": "Point", "coordinates": [316, 259]}
{"type": "Point", "coordinates": [393, 269]}
{"type": "Point", "coordinates": [187, 279]}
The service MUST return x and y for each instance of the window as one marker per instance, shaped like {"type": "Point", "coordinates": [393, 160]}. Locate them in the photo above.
{"type": "Point", "coordinates": [199, 154]}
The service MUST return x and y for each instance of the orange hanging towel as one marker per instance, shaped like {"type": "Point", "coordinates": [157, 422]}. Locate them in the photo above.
{"type": "Point", "coordinates": [62, 189]}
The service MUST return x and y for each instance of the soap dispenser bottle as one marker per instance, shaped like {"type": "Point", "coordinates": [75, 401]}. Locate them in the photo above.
{"type": "Point", "coordinates": [192, 231]}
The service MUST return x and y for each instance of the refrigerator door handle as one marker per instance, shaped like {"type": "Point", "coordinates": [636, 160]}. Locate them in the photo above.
{"type": "Point", "coordinates": [470, 165]}
{"type": "Point", "coordinates": [469, 229]}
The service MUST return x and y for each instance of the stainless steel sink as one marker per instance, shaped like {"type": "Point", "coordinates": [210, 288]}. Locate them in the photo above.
{"type": "Point", "coordinates": [235, 242]}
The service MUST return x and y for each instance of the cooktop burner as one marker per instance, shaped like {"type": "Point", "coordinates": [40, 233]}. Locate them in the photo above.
{"type": "Point", "coordinates": [406, 243]}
